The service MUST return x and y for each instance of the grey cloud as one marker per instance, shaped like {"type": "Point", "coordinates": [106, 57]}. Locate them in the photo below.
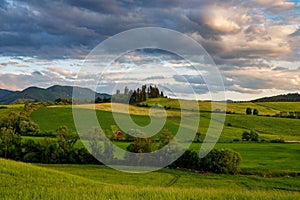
{"type": "Point", "coordinates": [153, 78]}
{"type": "Point", "coordinates": [60, 27]}
{"type": "Point", "coordinates": [36, 73]}
{"type": "Point", "coordinates": [279, 69]}
{"type": "Point", "coordinates": [17, 82]}
{"type": "Point", "coordinates": [236, 33]}
{"type": "Point", "coordinates": [182, 90]}
{"type": "Point", "coordinates": [112, 6]}
{"type": "Point", "coordinates": [191, 79]}
{"type": "Point", "coordinates": [275, 6]}
{"type": "Point", "coordinates": [261, 79]}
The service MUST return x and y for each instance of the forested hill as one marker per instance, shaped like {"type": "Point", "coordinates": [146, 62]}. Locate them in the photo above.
{"type": "Point", "coordinates": [40, 94]}
{"type": "Point", "coordinates": [292, 97]}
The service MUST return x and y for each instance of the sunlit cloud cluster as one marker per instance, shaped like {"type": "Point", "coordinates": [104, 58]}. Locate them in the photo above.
{"type": "Point", "coordinates": [255, 44]}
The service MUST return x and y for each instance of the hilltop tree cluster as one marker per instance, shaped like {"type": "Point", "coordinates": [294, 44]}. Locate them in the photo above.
{"type": "Point", "coordinates": [138, 95]}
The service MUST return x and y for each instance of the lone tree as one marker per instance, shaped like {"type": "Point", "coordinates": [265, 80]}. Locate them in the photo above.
{"type": "Point", "coordinates": [94, 136]}
{"type": "Point", "coordinates": [248, 111]}
{"type": "Point", "coordinates": [255, 111]}
{"type": "Point", "coordinates": [141, 145]}
{"type": "Point", "coordinates": [10, 143]}
{"type": "Point", "coordinates": [20, 124]}
{"type": "Point", "coordinates": [250, 136]}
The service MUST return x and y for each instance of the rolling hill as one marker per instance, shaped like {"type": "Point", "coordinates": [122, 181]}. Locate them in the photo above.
{"type": "Point", "coordinates": [57, 91]}
{"type": "Point", "coordinates": [291, 97]}
{"type": "Point", "coordinates": [4, 93]}
{"type": "Point", "coordinates": [40, 94]}
{"type": "Point", "coordinates": [29, 181]}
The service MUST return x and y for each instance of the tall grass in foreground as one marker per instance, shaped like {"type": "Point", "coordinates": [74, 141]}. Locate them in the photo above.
{"type": "Point", "coordinates": [130, 192]}
{"type": "Point", "coordinates": [25, 181]}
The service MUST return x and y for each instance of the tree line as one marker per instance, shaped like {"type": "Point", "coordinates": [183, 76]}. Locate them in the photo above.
{"type": "Point", "coordinates": [61, 146]}
{"type": "Point", "coordinates": [138, 95]}
{"type": "Point", "coordinates": [62, 149]}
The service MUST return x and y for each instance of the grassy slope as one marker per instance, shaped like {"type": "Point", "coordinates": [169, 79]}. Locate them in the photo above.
{"type": "Point", "coordinates": [257, 158]}
{"type": "Point", "coordinates": [264, 108]}
{"type": "Point", "coordinates": [10, 108]}
{"type": "Point", "coordinates": [267, 127]}
{"type": "Point", "coordinates": [264, 158]}
{"type": "Point", "coordinates": [26, 181]}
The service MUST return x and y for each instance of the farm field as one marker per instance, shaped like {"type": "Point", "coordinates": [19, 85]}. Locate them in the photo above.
{"type": "Point", "coordinates": [258, 158]}
{"type": "Point", "coordinates": [265, 108]}
{"type": "Point", "coordinates": [267, 127]}
{"type": "Point", "coordinates": [268, 170]}
{"type": "Point", "coordinates": [263, 159]}
{"type": "Point", "coordinates": [10, 108]}
{"type": "Point", "coordinates": [100, 182]}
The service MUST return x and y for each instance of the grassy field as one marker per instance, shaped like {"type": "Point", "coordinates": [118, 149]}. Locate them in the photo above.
{"type": "Point", "coordinates": [27, 181]}
{"type": "Point", "coordinates": [10, 108]}
{"type": "Point", "coordinates": [279, 161]}
{"type": "Point", "coordinates": [267, 127]}
{"type": "Point", "coordinates": [265, 158]}
{"type": "Point", "coordinates": [258, 158]}
{"type": "Point", "coordinates": [264, 108]}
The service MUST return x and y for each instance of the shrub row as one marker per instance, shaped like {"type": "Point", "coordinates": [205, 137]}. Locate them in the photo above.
{"type": "Point", "coordinates": [223, 161]}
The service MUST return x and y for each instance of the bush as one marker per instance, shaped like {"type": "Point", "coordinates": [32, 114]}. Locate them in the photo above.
{"type": "Point", "coordinates": [248, 111]}
{"type": "Point", "coordinates": [223, 161]}
{"type": "Point", "coordinates": [255, 111]}
{"type": "Point", "coordinates": [250, 136]}
{"type": "Point", "coordinates": [236, 140]}
{"type": "Point", "coordinates": [277, 141]}
{"type": "Point", "coordinates": [189, 160]}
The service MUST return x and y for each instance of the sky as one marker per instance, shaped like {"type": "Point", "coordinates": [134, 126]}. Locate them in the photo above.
{"type": "Point", "coordinates": [255, 44]}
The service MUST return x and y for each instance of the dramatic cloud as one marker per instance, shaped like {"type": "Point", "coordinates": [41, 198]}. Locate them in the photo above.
{"type": "Point", "coordinates": [276, 6]}
{"type": "Point", "coordinates": [248, 40]}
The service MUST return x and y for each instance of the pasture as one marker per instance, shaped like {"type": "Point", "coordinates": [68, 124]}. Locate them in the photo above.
{"type": "Point", "coordinates": [268, 170]}
{"type": "Point", "coordinates": [264, 108]}
{"type": "Point", "coordinates": [28, 181]}
{"type": "Point", "coordinates": [6, 109]}
{"type": "Point", "coordinates": [258, 158]}
{"type": "Point", "coordinates": [267, 127]}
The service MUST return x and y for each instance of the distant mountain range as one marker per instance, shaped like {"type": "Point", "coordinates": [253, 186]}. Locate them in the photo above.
{"type": "Point", "coordinates": [57, 91]}
{"type": "Point", "coordinates": [49, 94]}
{"type": "Point", "coordinates": [292, 97]}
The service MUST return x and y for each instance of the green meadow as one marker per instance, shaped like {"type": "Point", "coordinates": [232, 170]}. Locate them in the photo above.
{"type": "Point", "coordinates": [28, 181]}
{"type": "Point", "coordinates": [6, 109]}
{"type": "Point", "coordinates": [268, 170]}
{"type": "Point", "coordinates": [264, 108]}
{"type": "Point", "coordinates": [267, 127]}
{"type": "Point", "coordinates": [258, 158]}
